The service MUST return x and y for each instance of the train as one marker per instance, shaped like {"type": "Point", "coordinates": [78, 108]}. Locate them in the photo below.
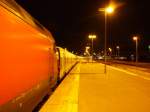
{"type": "Point", "coordinates": [31, 64]}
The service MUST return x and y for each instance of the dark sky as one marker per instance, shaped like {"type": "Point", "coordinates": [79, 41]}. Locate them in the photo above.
{"type": "Point", "coordinates": [71, 21]}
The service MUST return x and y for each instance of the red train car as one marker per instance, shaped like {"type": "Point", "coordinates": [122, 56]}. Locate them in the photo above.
{"type": "Point", "coordinates": [28, 62]}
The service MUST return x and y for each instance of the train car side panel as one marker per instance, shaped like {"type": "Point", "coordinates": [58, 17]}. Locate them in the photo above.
{"type": "Point", "coordinates": [27, 57]}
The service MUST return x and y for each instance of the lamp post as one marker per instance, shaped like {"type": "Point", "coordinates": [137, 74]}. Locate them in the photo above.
{"type": "Point", "coordinates": [107, 10]}
{"type": "Point", "coordinates": [135, 38]}
{"type": "Point", "coordinates": [118, 51]}
{"type": "Point", "coordinates": [92, 37]}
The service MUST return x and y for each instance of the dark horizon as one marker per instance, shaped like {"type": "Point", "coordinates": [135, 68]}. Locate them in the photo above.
{"type": "Point", "coordinates": [71, 22]}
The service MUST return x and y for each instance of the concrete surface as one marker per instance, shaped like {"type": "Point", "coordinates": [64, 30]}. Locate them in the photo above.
{"type": "Point", "coordinates": [88, 89]}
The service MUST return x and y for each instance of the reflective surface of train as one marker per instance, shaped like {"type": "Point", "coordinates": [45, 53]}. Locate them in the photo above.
{"type": "Point", "coordinates": [30, 63]}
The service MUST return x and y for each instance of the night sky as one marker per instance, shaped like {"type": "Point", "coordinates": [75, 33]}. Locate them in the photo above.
{"type": "Point", "coordinates": [71, 21]}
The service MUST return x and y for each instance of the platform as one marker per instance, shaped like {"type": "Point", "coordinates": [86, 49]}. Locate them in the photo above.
{"type": "Point", "coordinates": [88, 89]}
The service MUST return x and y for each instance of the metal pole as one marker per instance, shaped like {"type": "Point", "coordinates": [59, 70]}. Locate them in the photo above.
{"type": "Point", "coordinates": [92, 49]}
{"type": "Point", "coordinates": [118, 52]}
{"type": "Point", "coordinates": [92, 46]}
{"type": "Point", "coordinates": [105, 51]}
{"type": "Point", "coordinates": [136, 50]}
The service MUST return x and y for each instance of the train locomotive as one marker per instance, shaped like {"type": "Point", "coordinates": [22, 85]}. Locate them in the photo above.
{"type": "Point", "coordinates": [30, 63]}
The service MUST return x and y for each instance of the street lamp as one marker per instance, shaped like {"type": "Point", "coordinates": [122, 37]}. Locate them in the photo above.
{"type": "Point", "coordinates": [135, 38]}
{"type": "Point", "coordinates": [107, 10]}
{"type": "Point", "coordinates": [92, 37]}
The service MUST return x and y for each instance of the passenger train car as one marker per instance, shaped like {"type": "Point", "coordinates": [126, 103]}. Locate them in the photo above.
{"type": "Point", "coordinates": [66, 61]}
{"type": "Point", "coordinates": [30, 63]}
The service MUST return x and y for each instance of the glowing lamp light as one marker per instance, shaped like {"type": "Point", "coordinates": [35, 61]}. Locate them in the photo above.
{"type": "Point", "coordinates": [110, 49]}
{"type": "Point", "coordinates": [109, 9]}
{"type": "Point", "coordinates": [117, 47]}
{"type": "Point", "coordinates": [92, 36]}
{"type": "Point", "coordinates": [135, 38]}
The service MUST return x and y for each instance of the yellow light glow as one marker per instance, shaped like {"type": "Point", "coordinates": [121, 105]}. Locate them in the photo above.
{"type": "Point", "coordinates": [135, 38]}
{"type": "Point", "coordinates": [87, 47]}
{"type": "Point", "coordinates": [110, 49]}
{"type": "Point", "coordinates": [110, 9]}
{"type": "Point", "coordinates": [92, 36]}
